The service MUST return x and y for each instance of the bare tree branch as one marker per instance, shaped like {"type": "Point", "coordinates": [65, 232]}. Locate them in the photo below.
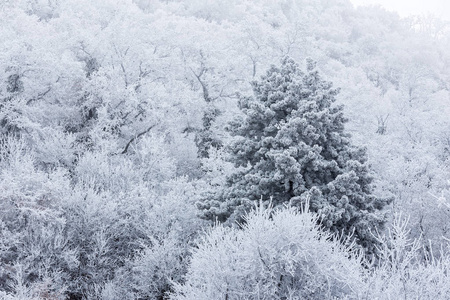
{"type": "Point", "coordinates": [136, 137]}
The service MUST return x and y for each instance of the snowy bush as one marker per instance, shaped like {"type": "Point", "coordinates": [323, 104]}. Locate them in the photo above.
{"type": "Point", "coordinates": [403, 271]}
{"type": "Point", "coordinates": [278, 254]}
{"type": "Point", "coordinates": [132, 220]}
{"type": "Point", "coordinates": [35, 253]}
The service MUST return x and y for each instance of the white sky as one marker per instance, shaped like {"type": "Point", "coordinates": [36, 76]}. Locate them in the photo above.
{"type": "Point", "coordinates": [439, 8]}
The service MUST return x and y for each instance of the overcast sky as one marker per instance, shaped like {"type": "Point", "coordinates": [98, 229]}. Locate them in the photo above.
{"type": "Point", "coordinates": [440, 8]}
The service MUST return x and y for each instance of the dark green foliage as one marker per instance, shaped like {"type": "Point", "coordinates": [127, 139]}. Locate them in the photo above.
{"type": "Point", "coordinates": [291, 146]}
{"type": "Point", "coordinates": [14, 86]}
{"type": "Point", "coordinates": [205, 139]}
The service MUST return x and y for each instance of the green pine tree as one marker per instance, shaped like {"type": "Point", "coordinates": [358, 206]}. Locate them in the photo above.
{"type": "Point", "coordinates": [292, 147]}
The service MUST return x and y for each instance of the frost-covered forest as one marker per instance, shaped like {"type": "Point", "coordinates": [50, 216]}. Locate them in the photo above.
{"type": "Point", "coordinates": [239, 149]}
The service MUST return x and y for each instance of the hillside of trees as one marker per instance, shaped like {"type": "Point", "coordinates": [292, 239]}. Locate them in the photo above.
{"type": "Point", "coordinates": [206, 149]}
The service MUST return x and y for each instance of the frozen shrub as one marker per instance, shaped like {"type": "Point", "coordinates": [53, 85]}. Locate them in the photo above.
{"type": "Point", "coordinates": [35, 254]}
{"type": "Point", "coordinates": [278, 254]}
{"type": "Point", "coordinates": [403, 273]}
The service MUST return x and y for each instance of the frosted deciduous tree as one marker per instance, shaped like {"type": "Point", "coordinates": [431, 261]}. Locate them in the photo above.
{"type": "Point", "coordinates": [292, 145]}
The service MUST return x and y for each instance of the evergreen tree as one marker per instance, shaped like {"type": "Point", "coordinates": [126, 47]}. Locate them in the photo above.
{"type": "Point", "coordinates": [291, 146]}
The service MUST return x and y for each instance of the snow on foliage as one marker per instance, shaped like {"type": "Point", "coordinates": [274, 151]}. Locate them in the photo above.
{"type": "Point", "coordinates": [112, 127]}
